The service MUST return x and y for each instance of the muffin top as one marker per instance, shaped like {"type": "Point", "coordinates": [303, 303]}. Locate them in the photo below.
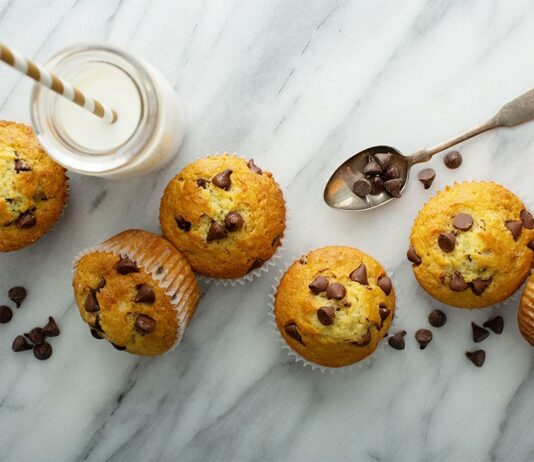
{"type": "Point", "coordinates": [137, 307]}
{"type": "Point", "coordinates": [334, 305]}
{"type": "Point", "coordinates": [225, 214]}
{"type": "Point", "coordinates": [469, 244]}
{"type": "Point", "coordinates": [33, 188]}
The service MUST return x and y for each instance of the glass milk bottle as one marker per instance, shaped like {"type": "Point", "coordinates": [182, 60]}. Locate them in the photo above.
{"type": "Point", "coordinates": [150, 125]}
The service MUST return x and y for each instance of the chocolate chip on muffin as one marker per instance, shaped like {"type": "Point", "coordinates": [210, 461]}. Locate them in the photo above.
{"type": "Point", "coordinates": [413, 257]}
{"type": "Point", "coordinates": [326, 315]}
{"type": "Point", "coordinates": [384, 282]}
{"type": "Point", "coordinates": [479, 285]}
{"type": "Point", "coordinates": [126, 266]}
{"type": "Point", "coordinates": [145, 324]}
{"type": "Point", "coordinates": [527, 219]}
{"type": "Point", "coordinates": [222, 180]}
{"type": "Point", "coordinates": [22, 166]}
{"type": "Point", "coordinates": [360, 275]}
{"type": "Point", "coordinates": [364, 340]}
{"type": "Point", "coordinates": [26, 220]}
{"type": "Point", "coordinates": [318, 285]}
{"type": "Point", "coordinates": [252, 166]}
{"type": "Point", "coordinates": [335, 291]}
{"type": "Point", "coordinates": [463, 222]}
{"type": "Point", "coordinates": [202, 183]}
{"type": "Point", "coordinates": [183, 224]}
{"type": "Point", "coordinates": [233, 222]}
{"type": "Point", "coordinates": [91, 302]}
{"type": "Point", "coordinates": [383, 311]}
{"type": "Point", "coordinates": [292, 330]}
{"type": "Point", "coordinates": [457, 282]}
{"type": "Point", "coordinates": [447, 241]}
{"type": "Point", "coordinates": [216, 232]}
{"type": "Point", "coordinates": [145, 294]}
{"type": "Point", "coordinates": [515, 228]}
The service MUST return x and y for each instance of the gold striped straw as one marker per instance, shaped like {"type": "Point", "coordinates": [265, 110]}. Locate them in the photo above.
{"type": "Point", "coordinates": [54, 83]}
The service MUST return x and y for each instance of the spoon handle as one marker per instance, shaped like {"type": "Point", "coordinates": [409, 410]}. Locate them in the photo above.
{"type": "Point", "coordinates": [514, 112]}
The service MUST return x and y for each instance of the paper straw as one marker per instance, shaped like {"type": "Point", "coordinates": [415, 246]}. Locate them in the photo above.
{"type": "Point", "coordinates": [54, 83]}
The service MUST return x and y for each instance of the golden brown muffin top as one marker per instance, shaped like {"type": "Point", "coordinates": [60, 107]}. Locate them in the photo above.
{"type": "Point", "coordinates": [225, 214]}
{"type": "Point", "coordinates": [334, 305]}
{"type": "Point", "coordinates": [469, 244]}
{"type": "Point", "coordinates": [33, 188]}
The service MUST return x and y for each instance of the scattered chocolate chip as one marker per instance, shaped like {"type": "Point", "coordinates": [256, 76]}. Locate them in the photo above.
{"type": "Point", "coordinates": [496, 324]}
{"type": "Point", "coordinates": [36, 336]}
{"type": "Point", "coordinates": [360, 275]}
{"type": "Point", "coordinates": [383, 311]}
{"type": "Point", "coordinates": [479, 285]}
{"type": "Point", "coordinates": [413, 257]}
{"type": "Point", "coordinates": [326, 315]}
{"type": "Point", "coordinates": [318, 285]}
{"type": "Point", "coordinates": [384, 282]}
{"type": "Point", "coordinates": [22, 166]}
{"type": "Point", "coordinates": [26, 220]}
{"type": "Point", "coordinates": [118, 347]}
{"type": "Point", "coordinates": [362, 187]}
{"type": "Point", "coordinates": [336, 291]}
{"type": "Point", "coordinates": [396, 341]}
{"type": "Point", "coordinates": [233, 222]}
{"type": "Point", "coordinates": [372, 168]}
{"type": "Point", "coordinates": [145, 324]}
{"type": "Point", "coordinates": [423, 337]}
{"type": "Point", "coordinates": [530, 245]}
{"type": "Point", "coordinates": [43, 351]}
{"type": "Point", "coordinates": [96, 334]}
{"type": "Point", "coordinates": [364, 340]}
{"type": "Point", "coordinates": [427, 176]}
{"type": "Point", "coordinates": [182, 223]}
{"type": "Point", "coordinates": [222, 180]}
{"type": "Point", "coordinates": [527, 219]}
{"type": "Point", "coordinates": [463, 222]}
{"type": "Point", "coordinates": [437, 318]}
{"type": "Point", "coordinates": [479, 333]}
{"type": "Point", "coordinates": [377, 184]}
{"type": "Point", "coordinates": [292, 331]}
{"type": "Point", "coordinates": [17, 295]}
{"type": "Point", "coordinates": [20, 344]}
{"type": "Point", "coordinates": [515, 228]}
{"type": "Point", "coordinates": [145, 294]}
{"type": "Point", "coordinates": [216, 232]}
{"type": "Point", "coordinates": [453, 159]}
{"type": "Point", "coordinates": [202, 183]}
{"type": "Point", "coordinates": [457, 283]}
{"type": "Point", "coordinates": [447, 241]}
{"type": "Point", "coordinates": [51, 329]}
{"type": "Point", "coordinates": [254, 167]}
{"type": "Point", "coordinates": [6, 314]}
{"type": "Point", "coordinates": [126, 266]}
{"type": "Point", "coordinates": [392, 173]}
{"type": "Point", "coordinates": [393, 187]}
{"type": "Point", "coordinates": [476, 357]}
{"type": "Point", "coordinates": [384, 159]}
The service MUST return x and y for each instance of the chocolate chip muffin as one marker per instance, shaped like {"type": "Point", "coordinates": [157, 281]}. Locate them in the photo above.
{"type": "Point", "coordinates": [33, 188]}
{"type": "Point", "coordinates": [471, 245]}
{"type": "Point", "coordinates": [136, 291]}
{"type": "Point", "coordinates": [225, 214]}
{"type": "Point", "coordinates": [525, 316]}
{"type": "Point", "coordinates": [334, 305]}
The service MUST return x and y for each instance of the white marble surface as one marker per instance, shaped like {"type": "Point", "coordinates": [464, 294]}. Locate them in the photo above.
{"type": "Point", "coordinates": [299, 86]}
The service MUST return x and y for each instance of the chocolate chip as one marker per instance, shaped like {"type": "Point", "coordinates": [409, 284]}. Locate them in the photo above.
{"type": "Point", "coordinates": [447, 241]}
{"type": "Point", "coordinates": [257, 263]}
{"type": "Point", "coordinates": [427, 176]}
{"type": "Point", "coordinates": [36, 336]}
{"type": "Point", "coordinates": [326, 315]}
{"type": "Point", "coordinates": [20, 344]}
{"type": "Point", "coordinates": [479, 285]}
{"type": "Point", "coordinates": [233, 222]}
{"type": "Point", "coordinates": [476, 357]}
{"type": "Point", "coordinates": [91, 302]}
{"type": "Point", "coordinates": [5, 314]}
{"type": "Point", "coordinates": [51, 329]}
{"type": "Point", "coordinates": [463, 222]}
{"type": "Point", "coordinates": [362, 187]}
{"type": "Point", "coordinates": [457, 283]}
{"type": "Point", "coordinates": [384, 282]}
{"type": "Point", "coordinates": [364, 340]}
{"type": "Point", "coordinates": [336, 291]}
{"type": "Point", "coordinates": [22, 166]}
{"type": "Point", "coordinates": [42, 351]}
{"type": "Point", "coordinates": [126, 266]}
{"type": "Point", "coordinates": [377, 184]}
{"type": "Point", "coordinates": [96, 334]}
{"type": "Point", "coordinates": [17, 295]}
{"type": "Point", "coordinates": [515, 228]}
{"type": "Point", "coordinates": [396, 341]}
{"type": "Point", "coordinates": [496, 324]}
{"type": "Point", "coordinates": [360, 275]}
{"type": "Point", "coordinates": [252, 166]}
{"type": "Point", "coordinates": [145, 294]}
{"type": "Point", "coordinates": [437, 318]}
{"type": "Point", "coordinates": [423, 337]}
{"type": "Point", "coordinates": [26, 220]}
{"type": "Point", "coordinates": [372, 168]}
{"type": "Point", "coordinates": [101, 284]}
{"type": "Point", "coordinates": [222, 180]}
{"type": "Point", "coordinates": [182, 223]}
{"type": "Point", "coordinates": [216, 232]}
{"type": "Point", "coordinates": [118, 347]}
{"type": "Point", "coordinates": [413, 257]}
{"type": "Point", "coordinates": [479, 333]}
{"type": "Point", "coordinates": [530, 245]}
{"type": "Point", "coordinates": [452, 159]}
{"type": "Point", "coordinates": [527, 219]}
{"type": "Point", "coordinates": [292, 330]}
{"type": "Point", "coordinates": [145, 324]}
{"type": "Point", "coordinates": [392, 173]}
{"type": "Point", "coordinates": [318, 285]}
{"type": "Point", "coordinates": [202, 183]}
{"type": "Point", "coordinates": [384, 159]}
{"type": "Point", "coordinates": [393, 187]}
{"type": "Point", "coordinates": [383, 311]}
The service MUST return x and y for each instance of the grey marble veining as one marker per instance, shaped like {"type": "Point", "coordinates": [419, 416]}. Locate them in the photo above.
{"type": "Point", "coordinates": [299, 86]}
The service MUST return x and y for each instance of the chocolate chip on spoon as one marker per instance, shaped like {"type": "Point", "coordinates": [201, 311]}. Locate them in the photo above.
{"type": "Point", "coordinates": [182, 223]}
{"type": "Point", "coordinates": [233, 222]}
{"type": "Point", "coordinates": [394, 187]}
{"type": "Point", "coordinates": [26, 220]}
{"type": "Point", "coordinates": [463, 222]}
{"type": "Point", "coordinates": [423, 337]}
{"type": "Point", "coordinates": [437, 318]}
{"type": "Point", "coordinates": [496, 324]}
{"type": "Point", "coordinates": [377, 184]}
{"type": "Point", "coordinates": [326, 315]}
{"type": "Point", "coordinates": [413, 257]}
{"type": "Point", "coordinates": [51, 329]}
{"type": "Point", "coordinates": [447, 241]}
{"type": "Point", "coordinates": [126, 266]}
{"type": "Point", "coordinates": [427, 176]}
{"type": "Point", "coordinates": [476, 357]}
{"type": "Point", "coordinates": [396, 341]}
{"type": "Point", "coordinates": [372, 168]}
{"type": "Point", "coordinates": [252, 166]}
{"type": "Point", "coordinates": [360, 275]}
{"type": "Point", "coordinates": [145, 294]}
{"type": "Point", "coordinates": [145, 324]}
{"type": "Point", "coordinates": [392, 173]}
{"type": "Point", "coordinates": [457, 283]}
{"type": "Point", "coordinates": [480, 285]}
{"type": "Point", "coordinates": [527, 219]}
{"type": "Point", "coordinates": [222, 180]}
{"type": "Point", "coordinates": [384, 282]}
{"type": "Point", "coordinates": [362, 187]}
{"type": "Point", "coordinates": [336, 291]}
{"type": "Point", "coordinates": [6, 314]}
{"type": "Point", "coordinates": [43, 351]}
{"type": "Point", "coordinates": [452, 159]}
{"type": "Point", "coordinates": [318, 285]}
{"type": "Point", "coordinates": [216, 232]}
{"type": "Point", "coordinates": [384, 159]}
{"type": "Point", "coordinates": [479, 333]}
{"type": "Point", "coordinates": [17, 295]}
{"type": "Point", "coordinates": [20, 344]}
{"type": "Point", "coordinates": [515, 228]}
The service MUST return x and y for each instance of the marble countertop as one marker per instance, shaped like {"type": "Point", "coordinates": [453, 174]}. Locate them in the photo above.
{"type": "Point", "coordinates": [299, 86]}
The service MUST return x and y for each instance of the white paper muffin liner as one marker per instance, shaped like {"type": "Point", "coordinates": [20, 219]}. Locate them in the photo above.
{"type": "Point", "coordinates": [297, 358]}
{"type": "Point", "coordinates": [172, 285]}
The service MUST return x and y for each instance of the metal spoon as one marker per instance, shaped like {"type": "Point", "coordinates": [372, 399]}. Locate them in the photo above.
{"type": "Point", "coordinates": [338, 192]}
